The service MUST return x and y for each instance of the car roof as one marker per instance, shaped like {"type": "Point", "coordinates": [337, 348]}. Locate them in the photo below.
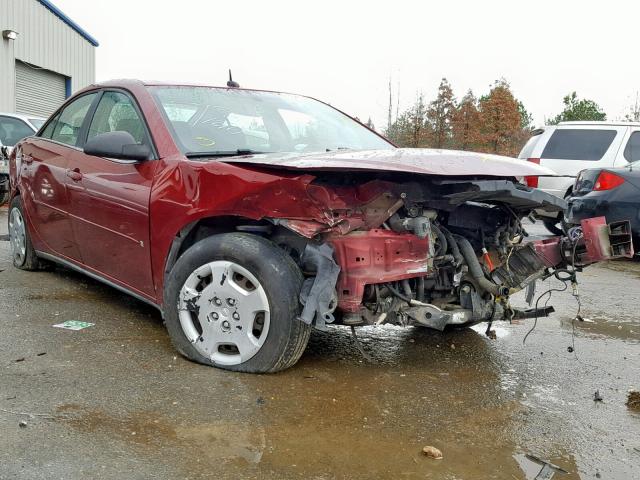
{"type": "Point", "coordinates": [21, 116]}
{"type": "Point", "coordinates": [128, 82]}
{"type": "Point", "coordinates": [603, 123]}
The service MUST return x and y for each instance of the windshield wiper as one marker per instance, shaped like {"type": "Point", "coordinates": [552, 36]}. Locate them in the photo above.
{"type": "Point", "coordinates": [337, 148]}
{"type": "Point", "coordinates": [223, 153]}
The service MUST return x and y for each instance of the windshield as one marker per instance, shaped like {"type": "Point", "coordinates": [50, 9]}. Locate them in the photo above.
{"type": "Point", "coordinates": [36, 122]}
{"type": "Point", "coordinates": [207, 120]}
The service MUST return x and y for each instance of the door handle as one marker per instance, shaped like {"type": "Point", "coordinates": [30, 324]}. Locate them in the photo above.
{"type": "Point", "coordinates": [74, 174]}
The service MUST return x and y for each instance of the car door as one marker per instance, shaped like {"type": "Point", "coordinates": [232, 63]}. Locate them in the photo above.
{"type": "Point", "coordinates": [631, 151]}
{"type": "Point", "coordinates": [110, 199]}
{"type": "Point", "coordinates": [43, 169]}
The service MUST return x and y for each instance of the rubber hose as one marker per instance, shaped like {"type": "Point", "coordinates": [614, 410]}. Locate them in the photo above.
{"type": "Point", "coordinates": [398, 294]}
{"type": "Point", "coordinates": [454, 246]}
{"type": "Point", "coordinates": [442, 241]}
{"type": "Point", "coordinates": [420, 289]}
{"type": "Point", "coordinates": [476, 270]}
{"type": "Point", "coordinates": [406, 287]}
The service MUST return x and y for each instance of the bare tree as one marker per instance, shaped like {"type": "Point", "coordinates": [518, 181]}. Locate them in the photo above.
{"type": "Point", "coordinates": [634, 111]}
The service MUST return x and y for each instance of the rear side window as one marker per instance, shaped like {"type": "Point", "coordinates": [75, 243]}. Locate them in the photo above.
{"type": "Point", "coordinates": [68, 124]}
{"type": "Point", "coordinates": [632, 150]}
{"type": "Point", "coordinates": [12, 130]}
{"type": "Point", "coordinates": [578, 144]}
{"type": "Point", "coordinates": [527, 150]}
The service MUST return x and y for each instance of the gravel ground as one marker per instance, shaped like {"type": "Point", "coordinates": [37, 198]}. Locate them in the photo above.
{"type": "Point", "coordinates": [115, 401]}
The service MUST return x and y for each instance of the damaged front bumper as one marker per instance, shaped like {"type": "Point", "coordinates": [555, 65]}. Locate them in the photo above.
{"type": "Point", "coordinates": [352, 269]}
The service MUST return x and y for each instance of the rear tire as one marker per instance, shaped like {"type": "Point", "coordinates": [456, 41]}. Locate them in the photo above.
{"type": "Point", "coordinates": [231, 301]}
{"type": "Point", "coordinates": [22, 251]}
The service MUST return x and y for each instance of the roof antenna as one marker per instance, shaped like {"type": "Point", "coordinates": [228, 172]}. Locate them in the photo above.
{"type": "Point", "coordinates": [231, 83]}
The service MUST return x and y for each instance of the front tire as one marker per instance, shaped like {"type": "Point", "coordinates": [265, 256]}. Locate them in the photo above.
{"type": "Point", "coordinates": [231, 301]}
{"type": "Point", "coordinates": [22, 251]}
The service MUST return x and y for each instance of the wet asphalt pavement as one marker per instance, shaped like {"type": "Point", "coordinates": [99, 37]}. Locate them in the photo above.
{"type": "Point", "coordinates": [114, 401]}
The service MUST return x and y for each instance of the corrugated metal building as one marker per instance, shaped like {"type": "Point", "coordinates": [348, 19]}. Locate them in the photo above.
{"type": "Point", "coordinates": [44, 57]}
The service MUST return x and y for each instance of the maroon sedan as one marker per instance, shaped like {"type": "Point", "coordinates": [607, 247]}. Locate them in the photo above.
{"type": "Point", "coordinates": [249, 217]}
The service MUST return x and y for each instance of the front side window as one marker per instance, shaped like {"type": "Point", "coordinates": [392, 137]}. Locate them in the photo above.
{"type": "Point", "coordinates": [116, 113]}
{"type": "Point", "coordinates": [48, 130]}
{"type": "Point", "coordinates": [209, 121]}
{"type": "Point", "coordinates": [67, 125]}
{"type": "Point", "coordinates": [12, 130]}
{"type": "Point", "coordinates": [632, 150]}
{"type": "Point", "coordinates": [578, 144]}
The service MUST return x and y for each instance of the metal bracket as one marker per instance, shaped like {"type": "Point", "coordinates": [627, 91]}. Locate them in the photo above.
{"type": "Point", "coordinates": [318, 293]}
{"type": "Point", "coordinates": [540, 312]}
{"type": "Point", "coordinates": [433, 317]}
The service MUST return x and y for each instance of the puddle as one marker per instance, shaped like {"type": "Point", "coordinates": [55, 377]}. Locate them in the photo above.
{"type": "Point", "coordinates": [531, 468]}
{"type": "Point", "coordinates": [623, 327]}
{"type": "Point", "coordinates": [226, 441]}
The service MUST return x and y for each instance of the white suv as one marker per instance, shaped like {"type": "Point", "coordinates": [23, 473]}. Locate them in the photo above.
{"type": "Point", "coordinates": [570, 147]}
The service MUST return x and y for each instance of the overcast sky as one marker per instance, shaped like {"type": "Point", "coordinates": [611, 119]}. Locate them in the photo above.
{"type": "Point", "coordinates": [344, 51]}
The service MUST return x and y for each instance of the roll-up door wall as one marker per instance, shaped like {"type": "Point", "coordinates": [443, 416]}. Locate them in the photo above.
{"type": "Point", "coordinates": [38, 91]}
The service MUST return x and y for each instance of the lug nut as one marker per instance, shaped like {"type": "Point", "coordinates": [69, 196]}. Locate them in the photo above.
{"type": "Point", "coordinates": [231, 301]}
{"type": "Point", "coordinates": [236, 316]}
{"type": "Point", "coordinates": [217, 301]}
{"type": "Point", "coordinates": [214, 315]}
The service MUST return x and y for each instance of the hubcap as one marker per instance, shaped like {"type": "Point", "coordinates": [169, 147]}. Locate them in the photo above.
{"type": "Point", "coordinates": [224, 312]}
{"type": "Point", "coordinates": [17, 236]}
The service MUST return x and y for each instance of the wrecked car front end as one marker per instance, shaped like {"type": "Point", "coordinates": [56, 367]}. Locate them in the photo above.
{"type": "Point", "coordinates": [422, 237]}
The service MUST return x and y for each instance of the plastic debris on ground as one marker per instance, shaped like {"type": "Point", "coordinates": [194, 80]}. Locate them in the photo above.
{"type": "Point", "coordinates": [74, 325]}
{"type": "Point", "coordinates": [432, 452]}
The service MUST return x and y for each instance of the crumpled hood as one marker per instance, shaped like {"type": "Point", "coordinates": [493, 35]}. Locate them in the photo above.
{"type": "Point", "coordinates": [425, 161]}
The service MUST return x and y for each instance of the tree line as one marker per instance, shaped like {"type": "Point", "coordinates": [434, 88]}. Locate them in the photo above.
{"type": "Point", "coordinates": [497, 122]}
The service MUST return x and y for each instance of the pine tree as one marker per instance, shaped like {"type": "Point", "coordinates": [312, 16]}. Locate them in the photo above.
{"type": "Point", "coordinates": [418, 134]}
{"type": "Point", "coordinates": [465, 124]}
{"type": "Point", "coordinates": [439, 115]}
{"type": "Point", "coordinates": [501, 120]}
{"type": "Point", "coordinates": [411, 128]}
{"type": "Point", "coordinates": [578, 109]}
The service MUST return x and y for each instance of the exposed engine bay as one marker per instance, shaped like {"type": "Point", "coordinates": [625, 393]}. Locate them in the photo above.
{"type": "Point", "coordinates": [427, 250]}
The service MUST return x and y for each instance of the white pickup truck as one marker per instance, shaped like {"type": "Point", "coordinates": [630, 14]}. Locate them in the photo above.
{"type": "Point", "coordinates": [13, 128]}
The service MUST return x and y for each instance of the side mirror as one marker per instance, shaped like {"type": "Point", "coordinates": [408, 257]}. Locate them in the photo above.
{"type": "Point", "coordinates": [120, 145]}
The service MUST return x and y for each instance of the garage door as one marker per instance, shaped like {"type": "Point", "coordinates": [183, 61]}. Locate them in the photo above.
{"type": "Point", "coordinates": [38, 91]}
